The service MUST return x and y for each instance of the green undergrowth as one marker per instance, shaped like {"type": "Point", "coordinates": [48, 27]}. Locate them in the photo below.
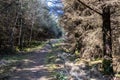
{"type": "Point", "coordinates": [19, 54]}
{"type": "Point", "coordinates": [117, 75]}
{"type": "Point", "coordinates": [60, 76]}
{"type": "Point", "coordinates": [50, 61]}
{"type": "Point", "coordinates": [34, 46]}
{"type": "Point", "coordinates": [50, 58]}
{"type": "Point", "coordinates": [52, 67]}
{"type": "Point", "coordinates": [56, 45]}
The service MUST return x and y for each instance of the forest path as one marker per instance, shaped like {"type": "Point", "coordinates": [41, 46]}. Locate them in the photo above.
{"type": "Point", "coordinates": [34, 67]}
{"type": "Point", "coordinates": [51, 63]}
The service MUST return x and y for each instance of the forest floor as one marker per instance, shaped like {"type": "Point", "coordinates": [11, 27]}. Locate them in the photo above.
{"type": "Point", "coordinates": [52, 63]}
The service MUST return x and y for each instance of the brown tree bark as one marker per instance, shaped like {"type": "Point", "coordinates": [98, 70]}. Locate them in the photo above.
{"type": "Point", "coordinates": [31, 33]}
{"type": "Point", "coordinates": [21, 36]}
{"type": "Point", "coordinates": [107, 41]}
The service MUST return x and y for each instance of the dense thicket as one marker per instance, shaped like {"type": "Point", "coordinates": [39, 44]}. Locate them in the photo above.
{"type": "Point", "coordinates": [85, 25]}
{"type": "Point", "coordinates": [93, 28]}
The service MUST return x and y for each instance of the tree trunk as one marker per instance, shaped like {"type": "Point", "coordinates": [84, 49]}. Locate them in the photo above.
{"type": "Point", "coordinates": [12, 34]}
{"type": "Point", "coordinates": [21, 26]}
{"type": "Point", "coordinates": [21, 36]}
{"type": "Point", "coordinates": [12, 38]}
{"type": "Point", "coordinates": [31, 32]}
{"type": "Point", "coordinates": [107, 41]}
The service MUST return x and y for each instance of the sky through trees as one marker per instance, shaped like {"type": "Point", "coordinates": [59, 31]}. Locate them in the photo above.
{"type": "Point", "coordinates": [55, 8]}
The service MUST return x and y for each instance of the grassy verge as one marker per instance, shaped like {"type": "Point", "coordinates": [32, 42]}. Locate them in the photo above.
{"type": "Point", "coordinates": [19, 55]}
{"type": "Point", "coordinates": [34, 46]}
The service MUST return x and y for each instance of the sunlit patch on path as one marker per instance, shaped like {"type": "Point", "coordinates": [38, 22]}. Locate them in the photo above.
{"type": "Point", "coordinates": [32, 68]}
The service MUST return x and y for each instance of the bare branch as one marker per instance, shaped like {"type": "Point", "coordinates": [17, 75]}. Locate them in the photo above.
{"type": "Point", "coordinates": [89, 7]}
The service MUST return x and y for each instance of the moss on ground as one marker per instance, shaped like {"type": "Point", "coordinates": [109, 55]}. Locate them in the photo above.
{"type": "Point", "coordinates": [34, 47]}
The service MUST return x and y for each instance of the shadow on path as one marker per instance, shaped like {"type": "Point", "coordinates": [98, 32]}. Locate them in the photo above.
{"type": "Point", "coordinates": [33, 67]}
